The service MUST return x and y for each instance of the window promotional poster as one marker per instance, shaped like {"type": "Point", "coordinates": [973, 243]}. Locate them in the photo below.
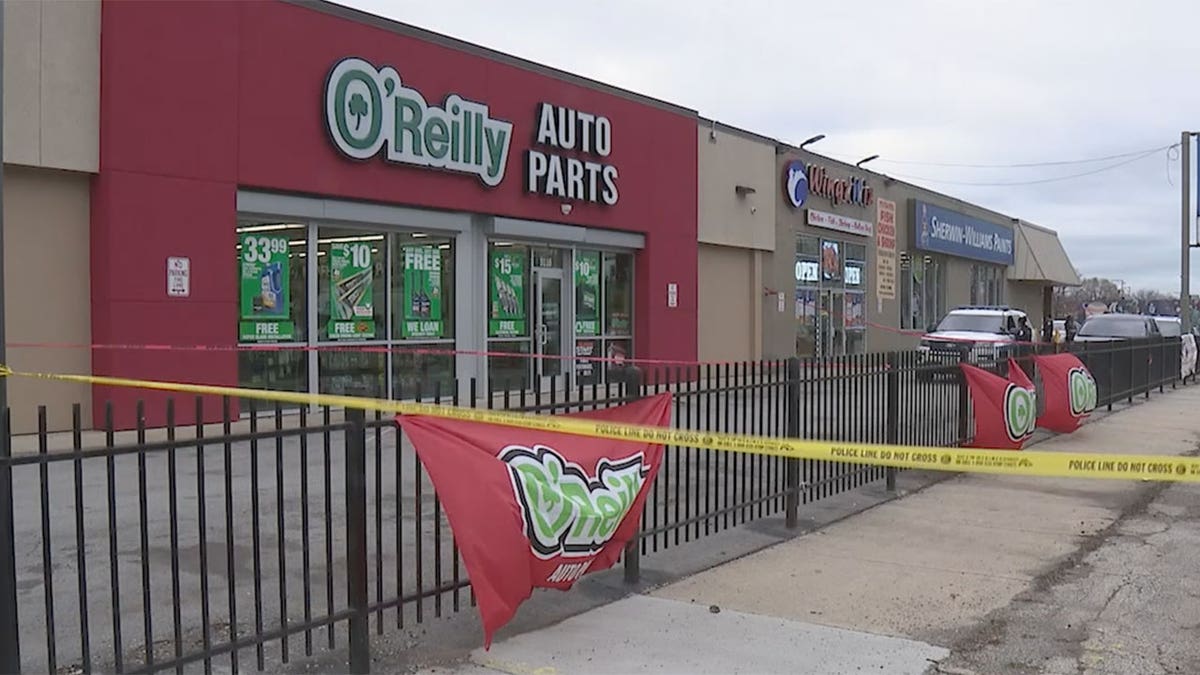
{"type": "Point", "coordinates": [265, 289]}
{"type": "Point", "coordinates": [422, 292]}
{"type": "Point", "coordinates": [351, 291]}
{"type": "Point", "coordinates": [506, 312]}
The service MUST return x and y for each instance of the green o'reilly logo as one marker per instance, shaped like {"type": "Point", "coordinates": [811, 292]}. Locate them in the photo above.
{"type": "Point", "coordinates": [369, 109]}
{"type": "Point", "coordinates": [566, 512]}
{"type": "Point", "coordinates": [1020, 412]}
{"type": "Point", "coordinates": [1082, 391]}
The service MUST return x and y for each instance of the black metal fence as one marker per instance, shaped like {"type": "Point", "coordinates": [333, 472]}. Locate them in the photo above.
{"type": "Point", "coordinates": [276, 534]}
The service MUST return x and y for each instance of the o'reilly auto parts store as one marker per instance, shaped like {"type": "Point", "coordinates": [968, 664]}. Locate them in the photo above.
{"type": "Point", "coordinates": [308, 175]}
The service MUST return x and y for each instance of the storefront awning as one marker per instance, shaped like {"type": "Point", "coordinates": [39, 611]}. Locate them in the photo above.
{"type": "Point", "coordinates": [1040, 257]}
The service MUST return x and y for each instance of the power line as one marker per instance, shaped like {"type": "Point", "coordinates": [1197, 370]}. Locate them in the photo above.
{"type": "Point", "coordinates": [1110, 167]}
{"type": "Point", "coordinates": [1064, 162]}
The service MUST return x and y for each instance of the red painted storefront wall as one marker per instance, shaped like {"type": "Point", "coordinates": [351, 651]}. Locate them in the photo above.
{"type": "Point", "coordinates": [201, 98]}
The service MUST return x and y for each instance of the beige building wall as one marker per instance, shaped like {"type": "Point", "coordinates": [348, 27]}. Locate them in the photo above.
{"type": "Point", "coordinates": [1026, 296]}
{"type": "Point", "coordinates": [736, 202]}
{"type": "Point", "coordinates": [727, 327]}
{"type": "Point", "coordinates": [735, 184]}
{"type": "Point", "coordinates": [51, 148]}
{"type": "Point", "coordinates": [47, 278]}
{"type": "Point", "coordinates": [52, 84]}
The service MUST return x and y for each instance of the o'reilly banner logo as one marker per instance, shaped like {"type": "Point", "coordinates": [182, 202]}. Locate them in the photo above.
{"type": "Point", "coordinates": [369, 109]}
{"type": "Point", "coordinates": [1082, 390]}
{"type": "Point", "coordinates": [1020, 412]}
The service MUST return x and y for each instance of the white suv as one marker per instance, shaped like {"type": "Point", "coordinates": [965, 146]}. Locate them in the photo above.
{"type": "Point", "coordinates": [988, 334]}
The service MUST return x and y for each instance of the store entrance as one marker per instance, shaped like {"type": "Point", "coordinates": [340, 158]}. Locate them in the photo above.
{"type": "Point", "coordinates": [548, 325]}
{"type": "Point", "coordinates": [831, 339]}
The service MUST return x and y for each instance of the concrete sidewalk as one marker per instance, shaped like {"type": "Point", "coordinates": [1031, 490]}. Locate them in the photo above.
{"type": "Point", "coordinates": [909, 582]}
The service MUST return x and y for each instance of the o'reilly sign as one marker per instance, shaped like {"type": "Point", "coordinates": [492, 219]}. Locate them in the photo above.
{"type": "Point", "coordinates": [369, 109]}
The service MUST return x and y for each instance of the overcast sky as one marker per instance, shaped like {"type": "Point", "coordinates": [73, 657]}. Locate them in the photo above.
{"type": "Point", "coordinates": [979, 82]}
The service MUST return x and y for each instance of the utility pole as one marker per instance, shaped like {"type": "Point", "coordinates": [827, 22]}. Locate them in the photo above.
{"type": "Point", "coordinates": [1185, 299]}
{"type": "Point", "coordinates": [3, 334]}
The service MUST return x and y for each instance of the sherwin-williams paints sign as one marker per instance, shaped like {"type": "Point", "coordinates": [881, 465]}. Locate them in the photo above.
{"type": "Point", "coordinates": [265, 289]}
{"type": "Point", "coordinates": [352, 291]}
{"type": "Point", "coordinates": [368, 110]}
{"type": "Point", "coordinates": [941, 230]}
{"type": "Point", "coordinates": [422, 292]}
{"type": "Point", "coordinates": [587, 293]}
{"type": "Point", "coordinates": [506, 314]}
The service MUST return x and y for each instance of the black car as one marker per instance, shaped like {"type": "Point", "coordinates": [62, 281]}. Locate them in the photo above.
{"type": "Point", "coordinates": [1113, 327]}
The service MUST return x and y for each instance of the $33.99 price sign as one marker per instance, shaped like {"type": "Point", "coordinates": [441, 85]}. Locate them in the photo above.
{"type": "Point", "coordinates": [265, 288]}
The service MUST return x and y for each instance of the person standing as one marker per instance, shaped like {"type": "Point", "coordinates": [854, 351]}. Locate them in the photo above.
{"type": "Point", "coordinates": [1024, 332]}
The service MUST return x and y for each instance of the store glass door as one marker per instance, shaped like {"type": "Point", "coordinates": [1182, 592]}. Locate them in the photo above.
{"type": "Point", "coordinates": [548, 317]}
{"type": "Point", "coordinates": [832, 338]}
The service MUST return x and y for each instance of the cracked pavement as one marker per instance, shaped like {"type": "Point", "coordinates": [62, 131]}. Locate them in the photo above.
{"type": "Point", "coordinates": [1129, 605]}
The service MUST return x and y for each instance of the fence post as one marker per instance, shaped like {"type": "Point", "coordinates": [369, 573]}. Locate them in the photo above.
{"type": "Point", "coordinates": [1112, 376]}
{"type": "Point", "coordinates": [356, 541]}
{"type": "Point", "coordinates": [964, 398]}
{"type": "Point", "coordinates": [1163, 374]}
{"type": "Point", "coordinates": [10, 642]}
{"type": "Point", "coordinates": [892, 428]}
{"type": "Point", "coordinates": [633, 549]}
{"type": "Point", "coordinates": [791, 501]}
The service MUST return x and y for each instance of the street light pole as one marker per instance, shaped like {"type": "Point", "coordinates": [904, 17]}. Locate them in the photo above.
{"type": "Point", "coordinates": [1185, 300]}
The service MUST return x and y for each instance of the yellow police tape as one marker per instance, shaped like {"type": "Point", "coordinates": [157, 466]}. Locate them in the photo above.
{"type": "Point", "coordinates": [1008, 462]}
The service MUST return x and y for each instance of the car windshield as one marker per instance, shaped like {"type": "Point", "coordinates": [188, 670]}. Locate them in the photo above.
{"type": "Point", "coordinates": [1169, 328]}
{"type": "Point", "coordinates": [974, 323]}
{"type": "Point", "coordinates": [1114, 326]}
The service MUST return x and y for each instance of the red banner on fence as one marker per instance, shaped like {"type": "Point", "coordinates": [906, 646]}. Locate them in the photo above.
{"type": "Point", "coordinates": [1069, 391]}
{"type": "Point", "coordinates": [537, 509]}
{"type": "Point", "coordinates": [1005, 409]}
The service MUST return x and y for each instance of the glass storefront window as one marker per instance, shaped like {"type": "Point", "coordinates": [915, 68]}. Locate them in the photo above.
{"type": "Point", "coordinates": [351, 285]}
{"type": "Point", "coordinates": [616, 349]}
{"type": "Point", "coordinates": [272, 282]}
{"type": "Point", "coordinates": [806, 320]}
{"type": "Point", "coordinates": [987, 285]}
{"type": "Point", "coordinates": [509, 296]}
{"type": "Point", "coordinates": [422, 293]}
{"type": "Point", "coordinates": [285, 370]}
{"type": "Point", "coordinates": [389, 298]}
{"type": "Point", "coordinates": [831, 262]}
{"type": "Point", "coordinates": [856, 253]}
{"type": "Point", "coordinates": [855, 275]}
{"type": "Point", "coordinates": [352, 373]}
{"type": "Point", "coordinates": [509, 304]}
{"type": "Point", "coordinates": [272, 303]}
{"type": "Point", "coordinates": [551, 258]}
{"type": "Point", "coordinates": [509, 373]}
{"type": "Point", "coordinates": [618, 294]}
{"type": "Point", "coordinates": [808, 246]}
{"type": "Point", "coordinates": [420, 375]}
{"type": "Point", "coordinates": [922, 291]}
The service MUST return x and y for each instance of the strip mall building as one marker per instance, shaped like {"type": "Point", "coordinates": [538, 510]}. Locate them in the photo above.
{"type": "Point", "coordinates": [238, 174]}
